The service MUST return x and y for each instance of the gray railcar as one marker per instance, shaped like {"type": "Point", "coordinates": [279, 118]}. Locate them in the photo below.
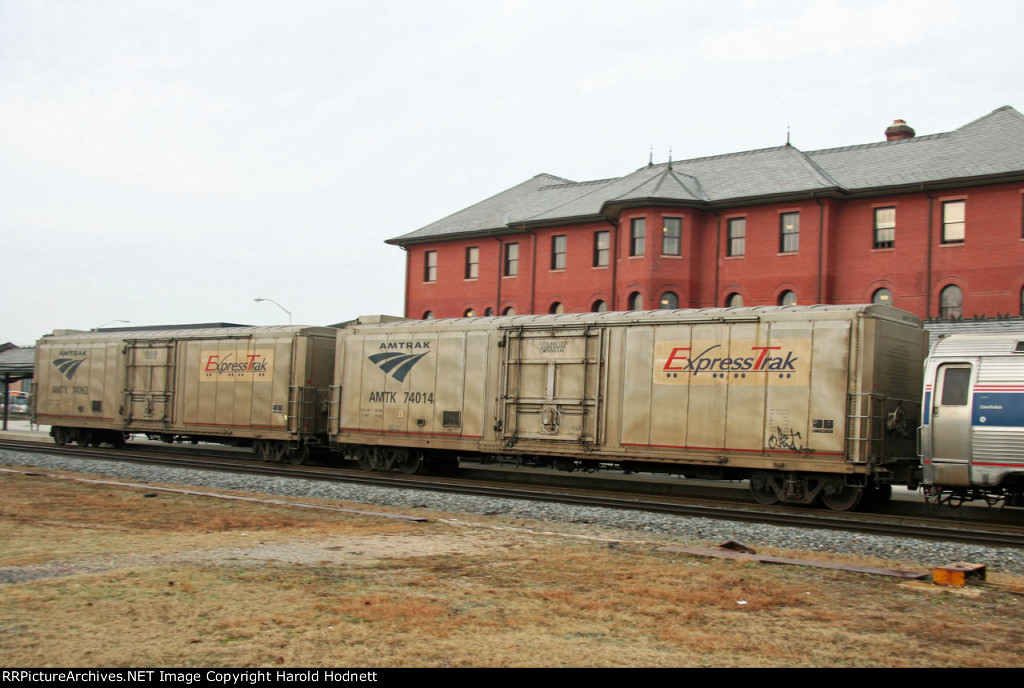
{"type": "Point", "coordinates": [805, 402]}
{"type": "Point", "coordinates": [972, 432]}
{"type": "Point", "coordinates": [264, 387]}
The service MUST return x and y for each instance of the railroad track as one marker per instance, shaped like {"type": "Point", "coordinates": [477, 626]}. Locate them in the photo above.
{"type": "Point", "coordinates": [582, 492]}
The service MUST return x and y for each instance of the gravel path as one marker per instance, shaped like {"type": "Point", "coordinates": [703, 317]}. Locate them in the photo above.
{"type": "Point", "coordinates": [670, 528]}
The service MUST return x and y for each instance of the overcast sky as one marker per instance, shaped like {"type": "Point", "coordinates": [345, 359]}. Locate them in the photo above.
{"type": "Point", "coordinates": [168, 161]}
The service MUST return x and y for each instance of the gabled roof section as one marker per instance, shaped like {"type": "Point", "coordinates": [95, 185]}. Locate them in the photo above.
{"type": "Point", "coordinates": [497, 212]}
{"type": "Point", "coordinates": [991, 146]}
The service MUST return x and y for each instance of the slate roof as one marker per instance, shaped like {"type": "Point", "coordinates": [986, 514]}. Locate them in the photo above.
{"type": "Point", "coordinates": [991, 146]}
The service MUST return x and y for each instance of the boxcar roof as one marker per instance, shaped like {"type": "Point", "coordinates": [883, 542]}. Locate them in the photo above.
{"type": "Point", "coordinates": [619, 318]}
{"type": "Point", "coordinates": [196, 333]}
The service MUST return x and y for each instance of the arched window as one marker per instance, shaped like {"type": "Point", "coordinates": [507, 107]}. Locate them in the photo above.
{"type": "Point", "coordinates": [951, 303]}
{"type": "Point", "coordinates": [429, 315]}
{"type": "Point", "coordinates": [882, 297]}
{"type": "Point", "coordinates": [636, 301]}
{"type": "Point", "coordinates": [734, 300]}
{"type": "Point", "coordinates": [509, 311]}
{"type": "Point", "coordinates": [599, 307]}
{"type": "Point", "coordinates": [556, 307]}
{"type": "Point", "coordinates": [669, 301]}
{"type": "Point", "coordinates": [470, 313]}
{"type": "Point", "coordinates": [488, 311]}
{"type": "Point", "coordinates": [787, 298]}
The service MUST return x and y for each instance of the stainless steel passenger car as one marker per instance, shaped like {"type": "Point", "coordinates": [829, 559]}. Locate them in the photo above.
{"type": "Point", "coordinates": [264, 387]}
{"type": "Point", "coordinates": [972, 434]}
{"type": "Point", "coordinates": [805, 402]}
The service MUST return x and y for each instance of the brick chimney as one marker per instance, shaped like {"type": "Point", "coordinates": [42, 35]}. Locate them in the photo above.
{"type": "Point", "coordinates": [898, 131]}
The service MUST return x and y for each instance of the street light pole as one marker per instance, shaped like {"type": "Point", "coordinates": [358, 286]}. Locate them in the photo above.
{"type": "Point", "coordinates": [279, 306]}
{"type": "Point", "coordinates": [109, 322]}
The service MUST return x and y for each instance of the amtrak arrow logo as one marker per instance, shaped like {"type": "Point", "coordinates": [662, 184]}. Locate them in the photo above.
{"type": "Point", "coordinates": [396, 363]}
{"type": "Point", "coordinates": [68, 366]}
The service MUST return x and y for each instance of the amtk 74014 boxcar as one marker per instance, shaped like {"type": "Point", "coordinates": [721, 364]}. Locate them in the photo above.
{"type": "Point", "coordinates": [808, 403]}
{"type": "Point", "coordinates": [261, 386]}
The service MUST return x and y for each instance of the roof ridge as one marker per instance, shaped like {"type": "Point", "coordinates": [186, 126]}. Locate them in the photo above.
{"type": "Point", "coordinates": [586, 183]}
{"type": "Point", "coordinates": [574, 199]}
{"type": "Point", "coordinates": [735, 154]}
{"type": "Point", "coordinates": [1004, 108]}
{"type": "Point", "coordinates": [481, 202]}
{"type": "Point", "coordinates": [677, 176]}
{"type": "Point", "coordinates": [877, 144]}
{"type": "Point", "coordinates": [816, 168]}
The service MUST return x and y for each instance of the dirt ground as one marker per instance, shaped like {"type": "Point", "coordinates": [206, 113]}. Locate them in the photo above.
{"type": "Point", "coordinates": [99, 575]}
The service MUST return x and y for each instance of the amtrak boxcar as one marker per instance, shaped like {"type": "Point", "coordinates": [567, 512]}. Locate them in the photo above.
{"type": "Point", "coordinates": [972, 435]}
{"type": "Point", "coordinates": [807, 403]}
{"type": "Point", "coordinates": [264, 387]}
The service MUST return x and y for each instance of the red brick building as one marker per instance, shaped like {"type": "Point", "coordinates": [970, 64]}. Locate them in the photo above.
{"type": "Point", "coordinates": [932, 224]}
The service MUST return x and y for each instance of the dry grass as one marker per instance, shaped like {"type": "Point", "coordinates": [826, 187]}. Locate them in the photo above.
{"type": "Point", "coordinates": [109, 577]}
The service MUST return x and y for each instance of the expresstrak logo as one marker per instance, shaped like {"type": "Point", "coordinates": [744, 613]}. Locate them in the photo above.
{"type": "Point", "coordinates": [67, 365]}
{"type": "Point", "coordinates": [391, 359]}
{"type": "Point", "coordinates": [782, 362]}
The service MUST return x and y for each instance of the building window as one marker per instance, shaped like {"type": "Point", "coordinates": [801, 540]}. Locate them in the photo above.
{"type": "Point", "coordinates": [429, 315]}
{"type": "Point", "coordinates": [601, 247]}
{"type": "Point", "coordinates": [787, 298]}
{"type": "Point", "coordinates": [882, 297]}
{"type": "Point", "coordinates": [953, 213]}
{"type": "Point", "coordinates": [734, 300]}
{"type": "Point", "coordinates": [556, 308]}
{"type": "Point", "coordinates": [511, 260]}
{"type": "Point", "coordinates": [472, 262]}
{"type": "Point", "coordinates": [470, 313]}
{"type": "Point", "coordinates": [637, 231]}
{"type": "Point", "coordinates": [669, 300]}
{"type": "Point", "coordinates": [737, 237]}
{"type": "Point", "coordinates": [951, 303]}
{"type": "Point", "coordinates": [509, 311]}
{"type": "Point", "coordinates": [430, 266]}
{"type": "Point", "coordinates": [672, 236]}
{"type": "Point", "coordinates": [789, 232]}
{"type": "Point", "coordinates": [599, 306]}
{"type": "Point", "coordinates": [636, 301]}
{"type": "Point", "coordinates": [885, 227]}
{"type": "Point", "coordinates": [558, 252]}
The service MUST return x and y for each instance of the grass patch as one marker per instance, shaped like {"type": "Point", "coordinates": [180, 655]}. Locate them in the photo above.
{"type": "Point", "coordinates": [115, 579]}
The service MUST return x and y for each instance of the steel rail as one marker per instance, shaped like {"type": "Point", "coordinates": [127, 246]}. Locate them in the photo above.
{"type": "Point", "coordinates": [589, 496]}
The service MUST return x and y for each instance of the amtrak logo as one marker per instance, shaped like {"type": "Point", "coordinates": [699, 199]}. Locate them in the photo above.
{"type": "Point", "coordinates": [68, 366]}
{"type": "Point", "coordinates": [398, 364]}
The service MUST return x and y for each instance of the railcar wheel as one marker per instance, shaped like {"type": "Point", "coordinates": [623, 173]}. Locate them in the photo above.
{"type": "Point", "coordinates": [83, 438]}
{"type": "Point", "coordinates": [845, 499]}
{"type": "Point", "coordinates": [761, 490]}
{"type": "Point", "coordinates": [298, 456]}
{"type": "Point", "coordinates": [365, 458]}
{"type": "Point", "coordinates": [60, 436]}
{"type": "Point", "coordinates": [118, 439]}
{"type": "Point", "coordinates": [276, 451]}
{"type": "Point", "coordinates": [411, 463]}
{"type": "Point", "coordinates": [388, 458]}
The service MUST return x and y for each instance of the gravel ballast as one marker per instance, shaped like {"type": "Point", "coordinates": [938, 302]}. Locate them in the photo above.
{"type": "Point", "coordinates": [669, 528]}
